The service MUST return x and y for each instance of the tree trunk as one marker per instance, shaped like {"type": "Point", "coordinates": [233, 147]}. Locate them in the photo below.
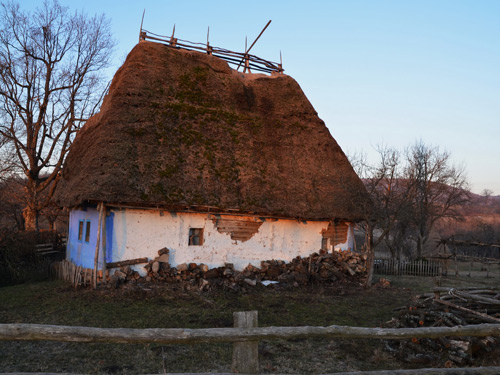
{"type": "Point", "coordinates": [30, 216]}
{"type": "Point", "coordinates": [31, 212]}
{"type": "Point", "coordinates": [420, 246]}
{"type": "Point", "coordinates": [370, 256]}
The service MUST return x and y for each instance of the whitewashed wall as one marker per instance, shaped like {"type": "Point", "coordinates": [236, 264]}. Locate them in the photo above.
{"type": "Point", "coordinates": [140, 233]}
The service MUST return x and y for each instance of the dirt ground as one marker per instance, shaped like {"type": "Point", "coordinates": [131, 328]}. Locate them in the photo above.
{"type": "Point", "coordinates": [163, 306]}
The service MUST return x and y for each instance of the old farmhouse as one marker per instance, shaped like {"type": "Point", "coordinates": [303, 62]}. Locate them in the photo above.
{"type": "Point", "coordinates": [216, 165]}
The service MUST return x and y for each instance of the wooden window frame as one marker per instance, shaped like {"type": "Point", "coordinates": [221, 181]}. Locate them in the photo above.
{"type": "Point", "coordinates": [195, 237]}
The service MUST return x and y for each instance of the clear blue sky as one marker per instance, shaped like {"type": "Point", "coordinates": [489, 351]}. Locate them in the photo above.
{"type": "Point", "coordinates": [378, 72]}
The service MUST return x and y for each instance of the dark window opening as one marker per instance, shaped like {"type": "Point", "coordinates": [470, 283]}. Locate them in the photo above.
{"type": "Point", "coordinates": [87, 232]}
{"type": "Point", "coordinates": [80, 230]}
{"type": "Point", "coordinates": [195, 236]}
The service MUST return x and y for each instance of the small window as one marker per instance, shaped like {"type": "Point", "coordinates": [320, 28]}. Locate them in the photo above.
{"type": "Point", "coordinates": [87, 232]}
{"type": "Point", "coordinates": [80, 230]}
{"type": "Point", "coordinates": [195, 236]}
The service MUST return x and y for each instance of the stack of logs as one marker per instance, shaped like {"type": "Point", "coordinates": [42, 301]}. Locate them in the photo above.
{"type": "Point", "coordinates": [344, 266]}
{"type": "Point", "coordinates": [448, 307]}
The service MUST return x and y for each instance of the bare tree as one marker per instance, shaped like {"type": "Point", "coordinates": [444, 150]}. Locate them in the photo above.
{"type": "Point", "coordinates": [51, 82]}
{"type": "Point", "coordinates": [410, 193]}
{"type": "Point", "coordinates": [438, 189]}
{"type": "Point", "coordinates": [389, 196]}
{"type": "Point", "coordinates": [7, 159]}
{"type": "Point", "coordinates": [486, 195]}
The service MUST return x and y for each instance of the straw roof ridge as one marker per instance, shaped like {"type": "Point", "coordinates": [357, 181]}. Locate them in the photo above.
{"type": "Point", "coordinates": [182, 129]}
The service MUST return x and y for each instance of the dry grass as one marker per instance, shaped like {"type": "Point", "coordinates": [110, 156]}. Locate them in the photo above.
{"type": "Point", "coordinates": [56, 303]}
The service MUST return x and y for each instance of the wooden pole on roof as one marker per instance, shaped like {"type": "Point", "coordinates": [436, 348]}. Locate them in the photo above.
{"type": "Point", "coordinates": [96, 256]}
{"type": "Point", "coordinates": [255, 41]}
{"type": "Point", "coordinates": [141, 35]}
{"type": "Point", "coordinates": [209, 48]}
{"type": "Point", "coordinates": [281, 64]}
{"type": "Point", "coordinates": [173, 41]}
{"type": "Point", "coordinates": [246, 59]}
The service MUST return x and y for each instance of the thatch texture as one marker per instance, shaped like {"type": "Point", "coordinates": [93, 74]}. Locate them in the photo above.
{"type": "Point", "coordinates": [181, 129]}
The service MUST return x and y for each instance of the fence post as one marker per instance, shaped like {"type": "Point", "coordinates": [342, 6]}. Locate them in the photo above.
{"type": "Point", "coordinates": [246, 353]}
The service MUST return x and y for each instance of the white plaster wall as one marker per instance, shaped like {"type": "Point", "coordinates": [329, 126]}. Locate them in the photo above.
{"type": "Point", "coordinates": [140, 233]}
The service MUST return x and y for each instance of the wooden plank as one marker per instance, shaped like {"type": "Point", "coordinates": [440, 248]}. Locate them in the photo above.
{"type": "Point", "coordinates": [428, 371]}
{"type": "Point", "coordinates": [424, 371]}
{"type": "Point", "coordinates": [241, 229]}
{"type": "Point", "coordinates": [336, 232]}
{"type": "Point", "coordinates": [246, 354]}
{"type": "Point", "coordinates": [128, 262]}
{"type": "Point", "coordinates": [23, 332]}
{"type": "Point", "coordinates": [45, 249]}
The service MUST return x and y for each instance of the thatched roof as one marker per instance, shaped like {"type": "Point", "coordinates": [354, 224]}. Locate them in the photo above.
{"type": "Point", "coordinates": [181, 130]}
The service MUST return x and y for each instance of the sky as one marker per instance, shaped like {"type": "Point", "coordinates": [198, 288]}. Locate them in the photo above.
{"type": "Point", "coordinates": [378, 72]}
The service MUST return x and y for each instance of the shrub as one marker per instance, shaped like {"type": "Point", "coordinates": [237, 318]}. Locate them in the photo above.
{"type": "Point", "coordinates": [18, 261]}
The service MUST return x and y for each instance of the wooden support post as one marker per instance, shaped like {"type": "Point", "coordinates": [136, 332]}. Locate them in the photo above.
{"type": "Point", "coordinates": [247, 64]}
{"type": "Point", "coordinates": [246, 353]}
{"type": "Point", "coordinates": [437, 294]}
{"type": "Point", "coordinates": [96, 256]}
{"type": "Point", "coordinates": [104, 245]}
{"type": "Point", "coordinates": [173, 41]}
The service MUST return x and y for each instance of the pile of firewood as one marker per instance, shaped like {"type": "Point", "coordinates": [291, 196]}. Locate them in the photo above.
{"type": "Point", "coordinates": [318, 267]}
{"type": "Point", "coordinates": [448, 307]}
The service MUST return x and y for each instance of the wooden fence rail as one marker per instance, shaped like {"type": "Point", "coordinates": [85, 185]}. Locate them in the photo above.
{"type": "Point", "coordinates": [245, 337]}
{"type": "Point", "coordinates": [22, 332]}
{"type": "Point", "coordinates": [236, 58]}
{"type": "Point", "coordinates": [410, 268]}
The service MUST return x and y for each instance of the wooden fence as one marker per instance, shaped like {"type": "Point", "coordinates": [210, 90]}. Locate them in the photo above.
{"type": "Point", "coordinates": [245, 338]}
{"type": "Point", "coordinates": [470, 266]}
{"type": "Point", "coordinates": [410, 268]}
{"type": "Point", "coordinates": [247, 60]}
{"type": "Point", "coordinates": [75, 275]}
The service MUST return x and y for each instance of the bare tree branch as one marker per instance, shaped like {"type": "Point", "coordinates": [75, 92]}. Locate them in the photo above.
{"type": "Point", "coordinates": [51, 65]}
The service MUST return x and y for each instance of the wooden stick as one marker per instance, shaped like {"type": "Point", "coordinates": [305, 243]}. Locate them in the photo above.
{"type": "Point", "coordinates": [127, 262]}
{"type": "Point", "coordinates": [476, 298]}
{"type": "Point", "coordinates": [24, 332]}
{"type": "Point", "coordinates": [481, 316]}
{"type": "Point", "coordinates": [141, 37]}
{"type": "Point", "coordinates": [255, 41]}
